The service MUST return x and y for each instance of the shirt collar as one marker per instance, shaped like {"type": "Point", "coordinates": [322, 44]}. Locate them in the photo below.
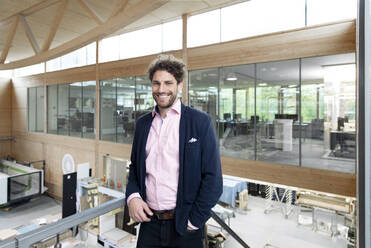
{"type": "Point", "coordinates": [176, 108]}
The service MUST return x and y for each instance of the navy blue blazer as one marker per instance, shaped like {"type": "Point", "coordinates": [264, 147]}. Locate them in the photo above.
{"type": "Point", "coordinates": [200, 176]}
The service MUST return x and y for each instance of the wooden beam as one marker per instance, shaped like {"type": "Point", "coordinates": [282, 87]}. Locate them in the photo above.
{"type": "Point", "coordinates": [91, 11]}
{"type": "Point", "coordinates": [55, 24]}
{"type": "Point", "coordinates": [333, 182]}
{"type": "Point", "coordinates": [123, 19]}
{"type": "Point", "coordinates": [120, 6]}
{"type": "Point", "coordinates": [26, 12]}
{"type": "Point", "coordinates": [9, 40]}
{"type": "Point", "coordinates": [29, 34]}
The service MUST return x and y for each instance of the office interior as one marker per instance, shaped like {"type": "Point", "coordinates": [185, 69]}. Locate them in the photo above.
{"type": "Point", "coordinates": [280, 84]}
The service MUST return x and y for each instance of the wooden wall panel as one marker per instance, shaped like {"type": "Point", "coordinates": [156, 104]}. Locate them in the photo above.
{"type": "Point", "coordinates": [5, 116]}
{"type": "Point", "coordinates": [307, 178]}
{"type": "Point", "coordinates": [328, 39]}
{"type": "Point", "coordinates": [84, 73]}
{"type": "Point", "coordinates": [19, 99]}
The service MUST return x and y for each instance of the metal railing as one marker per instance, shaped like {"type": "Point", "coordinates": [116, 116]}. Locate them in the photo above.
{"type": "Point", "coordinates": [27, 239]}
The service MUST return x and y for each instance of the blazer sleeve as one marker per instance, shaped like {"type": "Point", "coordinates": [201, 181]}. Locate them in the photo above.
{"type": "Point", "coordinates": [211, 173]}
{"type": "Point", "coordinates": [133, 183]}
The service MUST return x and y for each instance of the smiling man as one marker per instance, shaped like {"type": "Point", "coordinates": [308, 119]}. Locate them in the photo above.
{"type": "Point", "coordinates": [175, 174]}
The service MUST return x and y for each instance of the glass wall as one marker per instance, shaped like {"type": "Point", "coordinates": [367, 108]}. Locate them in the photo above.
{"type": "Point", "coordinates": [328, 98]}
{"type": "Point", "coordinates": [297, 112]}
{"type": "Point", "coordinates": [277, 108]}
{"type": "Point", "coordinates": [35, 109]}
{"type": "Point", "coordinates": [123, 100]}
{"type": "Point", "coordinates": [71, 109]}
{"type": "Point", "coordinates": [203, 92]}
{"type": "Point", "coordinates": [236, 105]}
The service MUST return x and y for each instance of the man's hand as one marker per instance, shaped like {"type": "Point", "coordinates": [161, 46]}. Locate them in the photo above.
{"type": "Point", "coordinates": [138, 210]}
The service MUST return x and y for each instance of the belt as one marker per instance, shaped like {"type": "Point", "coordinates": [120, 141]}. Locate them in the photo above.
{"type": "Point", "coordinates": [163, 214]}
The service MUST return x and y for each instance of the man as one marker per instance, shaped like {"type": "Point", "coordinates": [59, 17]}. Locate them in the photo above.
{"type": "Point", "coordinates": [175, 174]}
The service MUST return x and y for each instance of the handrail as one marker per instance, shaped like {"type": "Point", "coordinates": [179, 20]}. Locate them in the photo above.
{"type": "Point", "coordinates": [27, 239]}
{"type": "Point", "coordinates": [228, 229]}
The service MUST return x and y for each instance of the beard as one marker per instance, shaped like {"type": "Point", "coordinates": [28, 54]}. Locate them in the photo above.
{"type": "Point", "coordinates": [164, 104]}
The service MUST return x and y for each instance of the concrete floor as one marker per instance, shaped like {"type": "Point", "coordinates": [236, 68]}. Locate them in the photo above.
{"type": "Point", "coordinates": [22, 214]}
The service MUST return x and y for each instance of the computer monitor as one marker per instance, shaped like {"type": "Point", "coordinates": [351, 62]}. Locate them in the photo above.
{"type": "Point", "coordinates": [340, 123]}
{"type": "Point", "coordinates": [254, 116]}
{"type": "Point", "coordinates": [227, 116]}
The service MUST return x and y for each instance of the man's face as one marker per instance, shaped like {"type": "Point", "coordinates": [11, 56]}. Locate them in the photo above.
{"type": "Point", "coordinates": [165, 89]}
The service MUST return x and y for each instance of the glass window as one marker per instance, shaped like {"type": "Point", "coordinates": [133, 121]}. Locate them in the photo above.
{"type": "Point", "coordinates": [254, 18]}
{"type": "Point", "coordinates": [40, 109]}
{"type": "Point", "coordinates": [203, 92]}
{"type": "Point", "coordinates": [75, 109]}
{"type": "Point", "coordinates": [322, 11]}
{"type": "Point", "coordinates": [204, 28]}
{"type": "Point", "coordinates": [141, 42]}
{"type": "Point", "coordinates": [63, 111]}
{"type": "Point", "coordinates": [88, 109]}
{"type": "Point", "coordinates": [125, 109]}
{"type": "Point", "coordinates": [143, 96]}
{"type": "Point", "coordinates": [80, 57]}
{"type": "Point", "coordinates": [108, 110]}
{"type": "Point", "coordinates": [172, 35]}
{"type": "Point", "coordinates": [71, 109]}
{"type": "Point", "coordinates": [32, 109]}
{"type": "Point", "coordinates": [277, 109]}
{"type": "Point", "coordinates": [35, 103]}
{"type": "Point", "coordinates": [52, 109]}
{"type": "Point", "coordinates": [329, 112]}
{"type": "Point", "coordinates": [109, 49]}
{"type": "Point", "coordinates": [236, 128]}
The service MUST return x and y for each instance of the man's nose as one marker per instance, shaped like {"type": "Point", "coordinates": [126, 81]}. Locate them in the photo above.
{"type": "Point", "coordinates": [161, 88]}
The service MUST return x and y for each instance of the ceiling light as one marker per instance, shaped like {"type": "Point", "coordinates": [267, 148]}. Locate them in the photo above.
{"type": "Point", "coordinates": [292, 85]}
{"type": "Point", "coordinates": [231, 77]}
{"type": "Point", "coordinates": [273, 69]}
{"type": "Point", "coordinates": [263, 84]}
{"type": "Point", "coordinates": [263, 69]}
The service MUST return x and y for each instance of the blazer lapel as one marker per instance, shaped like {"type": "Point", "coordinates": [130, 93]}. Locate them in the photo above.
{"type": "Point", "coordinates": [182, 126]}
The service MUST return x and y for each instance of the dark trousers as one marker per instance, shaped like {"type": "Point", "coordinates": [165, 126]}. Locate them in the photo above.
{"type": "Point", "coordinates": [162, 233]}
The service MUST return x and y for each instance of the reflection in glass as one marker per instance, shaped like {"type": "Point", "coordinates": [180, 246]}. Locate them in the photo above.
{"type": "Point", "coordinates": [88, 109]}
{"type": "Point", "coordinates": [328, 112]}
{"type": "Point", "coordinates": [125, 109]}
{"type": "Point", "coordinates": [143, 96]}
{"type": "Point", "coordinates": [52, 108]}
{"type": "Point", "coordinates": [63, 115]}
{"type": "Point", "coordinates": [108, 110]}
{"type": "Point", "coordinates": [236, 128]}
{"type": "Point", "coordinates": [203, 92]}
{"type": "Point", "coordinates": [75, 109]}
{"type": "Point", "coordinates": [277, 109]}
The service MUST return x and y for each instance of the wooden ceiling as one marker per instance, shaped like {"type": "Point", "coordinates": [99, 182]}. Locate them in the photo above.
{"type": "Point", "coordinates": [33, 31]}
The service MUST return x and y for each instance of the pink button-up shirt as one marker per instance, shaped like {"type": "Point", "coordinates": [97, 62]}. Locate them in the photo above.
{"type": "Point", "coordinates": [162, 160]}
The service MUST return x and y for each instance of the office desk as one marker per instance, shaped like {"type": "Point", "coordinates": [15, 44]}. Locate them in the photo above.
{"type": "Point", "coordinates": [346, 141]}
{"type": "Point", "coordinates": [231, 186]}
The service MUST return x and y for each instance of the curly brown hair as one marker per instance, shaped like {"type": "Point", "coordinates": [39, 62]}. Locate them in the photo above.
{"type": "Point", "coordinates": [169, 63]}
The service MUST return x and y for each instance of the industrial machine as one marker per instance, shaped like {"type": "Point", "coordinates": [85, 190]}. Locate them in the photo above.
{"type": "Point", "coordinates": [19, 182]}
